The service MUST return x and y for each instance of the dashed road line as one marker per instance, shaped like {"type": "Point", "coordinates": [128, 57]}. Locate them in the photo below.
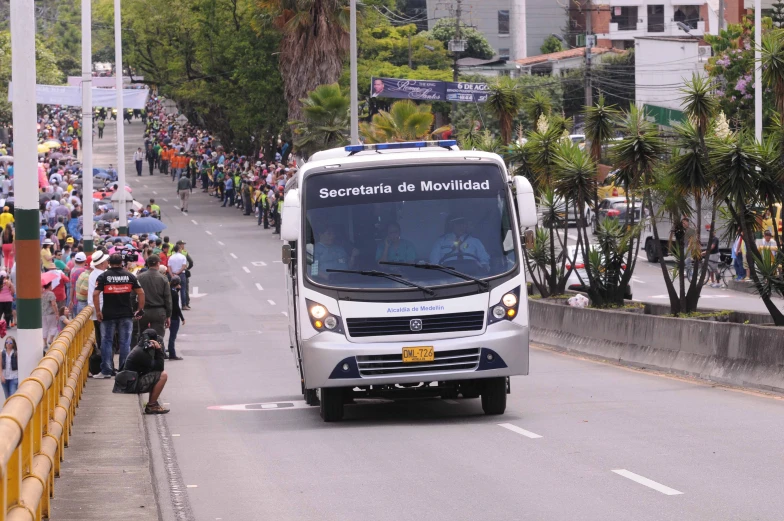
{"type": "Point", "coordinates": [245, 269]}
{"type": "Point", "coordinates": [219, 242]}
{"type": "Point", "coordinates": [518, 430]}
{"type": "Point", "coordinates": [176, 207]}
{"type": "Point", "coordinates": [272, 302]}
{"type": "Point", "coordinates": [208, 232]}
{"type": "Point", "coordinates": [664, 489]}
{"type": "Point", "coordinates": [145, 186]}
{"type": "Point", "coordinates": [192, 486]}
{"type": "Point", "coordinates": [165, 200]}
{"type": "Point", "coordinates": [154, 192]}
{"type": "Point", "coordinates": [284, 313]}
{"type": "Point", "coordinates": [194, 222]}
{"type": "Point", "coordinates": [233, 256]}
{"type": "Point", "coordinates": [258, 287]}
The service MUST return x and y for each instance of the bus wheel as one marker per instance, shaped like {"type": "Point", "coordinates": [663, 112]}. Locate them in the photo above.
{"type": "Point", "coordinates": [331, 404]}
{"type": "Point", "coordinates": [311, 397]}
{"type": "Point", "coordinates": [494, 396]}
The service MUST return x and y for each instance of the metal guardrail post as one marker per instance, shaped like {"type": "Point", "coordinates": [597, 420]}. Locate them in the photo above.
{"type": "Point", "coordinates": [35, 423]}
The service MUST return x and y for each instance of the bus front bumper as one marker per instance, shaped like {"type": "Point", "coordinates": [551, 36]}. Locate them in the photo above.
{"type": "Point", "coordinates": [330, 360]}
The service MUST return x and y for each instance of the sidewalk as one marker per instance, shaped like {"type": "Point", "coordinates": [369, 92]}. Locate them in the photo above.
{"type": "Point", "coordinates": [106, 471]}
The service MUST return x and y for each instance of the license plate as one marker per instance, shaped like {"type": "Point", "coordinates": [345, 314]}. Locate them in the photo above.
{"type": "Point", "coordinates": [418, 354]}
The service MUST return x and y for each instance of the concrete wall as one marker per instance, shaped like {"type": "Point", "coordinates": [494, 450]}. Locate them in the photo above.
{"type": "Point", "coordinates": [735, 354]}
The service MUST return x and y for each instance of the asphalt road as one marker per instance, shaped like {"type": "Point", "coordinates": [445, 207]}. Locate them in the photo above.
{"type": "Point", "coordinates": [580, 440]}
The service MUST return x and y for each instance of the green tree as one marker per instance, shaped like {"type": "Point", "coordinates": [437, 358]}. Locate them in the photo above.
{"type": "Point", "coordinates": [772, 63]}
{"type": "Point", "coordinates": [326, 120]}
{"type": "Point", "coordinates": [537, 104]}
{"type": "Point", "coordinates": [314, 43]}
{"type": "Point", "coordinates": [477, 45]}
{"type": "Point", "coordinates": [505, 101]}
{"type": "Point", "coordinates": [551, 44]}
{"type": "Point", "coordinates": [405, 121]}
{"type": "Point", "coordinates": [600, 124]}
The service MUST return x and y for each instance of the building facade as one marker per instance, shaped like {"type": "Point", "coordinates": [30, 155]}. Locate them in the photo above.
{"type": "Point", "coordinates": [516, 29]}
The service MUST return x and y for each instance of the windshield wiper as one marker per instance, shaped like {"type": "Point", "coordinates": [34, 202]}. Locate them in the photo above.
{"type": "Point", "coordinates": [427, 266]}
{"type": "Point", "coordinates": [390, 276]}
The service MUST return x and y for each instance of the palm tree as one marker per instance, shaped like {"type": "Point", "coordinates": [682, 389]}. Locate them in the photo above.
{"type": "Point", "coordinates": [325, 121]}
{"type": "Point", "coordinates": [772, 63]}
{"type": "Point", "coordinates": [405, 121]}
{"type": "Point", "coordinates": [505, 101]}
{"type": "Point", "coordinates": [538, 104]}
{"type": "Point", "coordinates": [600, 121]}
{"type": "Point", "coordinates": [637, 156]}
{"type": "Point", "coordinates": [315, 40]}
{"type": "Point", "coordinates": [743, 171]}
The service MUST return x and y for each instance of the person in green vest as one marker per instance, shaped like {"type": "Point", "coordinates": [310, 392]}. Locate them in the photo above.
{"type": "Point", "coordinates": [263, 207]}
{"type": "Point", "coordinates": [156, 150]}
{"type": "Point", "coordinates": [101, 125]}
{"type": "Point", "coordinates": [279, 217]}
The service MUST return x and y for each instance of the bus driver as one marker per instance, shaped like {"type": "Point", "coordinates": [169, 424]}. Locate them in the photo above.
{"type": "Point", "coordinates": [459, 245]}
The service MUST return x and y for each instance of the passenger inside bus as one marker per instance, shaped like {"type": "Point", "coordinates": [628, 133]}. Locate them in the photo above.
{"type": "Point", "coordinates": [394, 249]}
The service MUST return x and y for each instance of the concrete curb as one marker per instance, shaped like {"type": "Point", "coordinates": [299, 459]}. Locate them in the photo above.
{"type": "Point", "coordinates": [735, 354]}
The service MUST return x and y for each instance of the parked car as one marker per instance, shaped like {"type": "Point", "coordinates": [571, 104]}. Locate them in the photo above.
{"type": "Point", "coordinates": [578, 279]}
{"type": "Point", "coordinates": [571, 213]}
{"type": "Point", "coordinates": [608, 188]}
{"type": "Point", "coordinates": [615, 208]}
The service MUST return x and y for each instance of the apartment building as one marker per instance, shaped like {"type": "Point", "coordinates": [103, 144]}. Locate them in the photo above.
{"type": "Point", "coordinates": [616, 23]}
{"type": "Point", "coordinates": [515, 28]}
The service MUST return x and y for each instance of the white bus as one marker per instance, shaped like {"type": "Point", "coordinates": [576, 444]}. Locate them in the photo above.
{"type": "Point", "coordinates": [405, 274]}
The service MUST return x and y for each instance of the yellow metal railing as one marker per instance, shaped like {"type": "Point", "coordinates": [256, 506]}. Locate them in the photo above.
{"type": "Point", "coordinates": [36, 421]}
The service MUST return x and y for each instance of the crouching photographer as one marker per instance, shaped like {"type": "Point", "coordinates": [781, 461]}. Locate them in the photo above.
{"type": "Point", "coordinates": [143, 372]}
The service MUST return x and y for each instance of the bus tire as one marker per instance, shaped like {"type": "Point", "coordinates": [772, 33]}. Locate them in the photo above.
{"type": "Point", "coordinates": [650, 251]}
{"type": "Point", "coordinates": [331, 404]}
{"type": "Point", "coordinates": [311, 397]}
{"type": "Point", "coordinates": [494, 396]}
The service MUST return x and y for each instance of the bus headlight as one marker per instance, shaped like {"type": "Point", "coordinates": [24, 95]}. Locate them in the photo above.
{"type": "Point", "coordinates": [506, 309]}
{"type": "Point", "coordinates": [318, 311]}
{"type": "Point", "coordinates": [322, 320]}
{"type": "Point", "coordinates": [330, 322]}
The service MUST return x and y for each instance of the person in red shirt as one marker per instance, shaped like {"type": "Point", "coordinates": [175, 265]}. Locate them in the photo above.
{"type": "Point", "coordinates": [59, 290]}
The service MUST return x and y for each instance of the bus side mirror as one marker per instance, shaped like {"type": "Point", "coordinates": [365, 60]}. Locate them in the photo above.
{"type": "Point", "coordinates": [286, 258]}
{"type": "Point", "coordinates": [290, 224]}
{"type": "Point", "coordinates": [526, 203]}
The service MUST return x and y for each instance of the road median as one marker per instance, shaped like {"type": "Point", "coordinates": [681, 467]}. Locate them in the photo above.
{"type": "Point", "coordinates": [746, 355]}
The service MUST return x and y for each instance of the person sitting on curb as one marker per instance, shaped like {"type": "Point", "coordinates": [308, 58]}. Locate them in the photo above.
{"type": "Point", "coordinates": [143, 372]}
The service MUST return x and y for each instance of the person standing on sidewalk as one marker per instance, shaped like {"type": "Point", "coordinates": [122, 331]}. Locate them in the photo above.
{"type": "Point", "coordinates": [157, 298]}
{"type": "Point", "coordinates": [10, 374]}
{"type": "Point", "coordinates": [184, 190]}
{"type": "Point", "coordinates": [177, 318]}
{"type": "Point", "coordinates": [101, 125]}
{"type": "Point", "coordinates": [116, 313]}
{"type": "Point", "coordinates": [178, 265]}
{"type": "Point", "coordinates": [138, 158]}
{"type": "Point", "coordinates": [228, 185]}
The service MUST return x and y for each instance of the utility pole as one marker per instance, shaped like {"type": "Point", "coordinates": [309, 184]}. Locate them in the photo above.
{"type": "Point", "coordinates": [118, 76]}
{"type": "Point", "coordinates": [588, 45]}
{"type": "Point", "coordinates": [410, 59]}
{"type": "Point", "coordinates": [721, 15]}
{"type": "Point", "coordinates": [354, 93]}
{"type": "Point", "coordinates": [757, 70]}
{"type": "Point", "coordinates": [457, 48]}
{"type": "Point", "coordinates": [27, 242]}
{"type": "Point", "coordinates": [87, 124]}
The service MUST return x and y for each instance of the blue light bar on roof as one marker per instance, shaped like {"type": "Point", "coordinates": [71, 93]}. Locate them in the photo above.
{"type": "Point", "coordinates": [443, 143]}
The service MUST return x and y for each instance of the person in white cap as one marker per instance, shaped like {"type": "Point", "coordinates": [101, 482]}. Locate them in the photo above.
{"type": "Point", "coordinates": [79, 259]}
{"type": "Point", "coordinates": [99, 264]}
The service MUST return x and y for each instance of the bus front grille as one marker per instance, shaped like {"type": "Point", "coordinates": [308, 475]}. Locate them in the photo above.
{"type": "Point", "coordinates": [445, 361]}
{"type": "Point", "coordinates": [446, 323]}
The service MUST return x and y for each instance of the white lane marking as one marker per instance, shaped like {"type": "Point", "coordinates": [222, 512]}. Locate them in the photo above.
{"type": "Point", "coordinates": [166, 200]}
{"type": "Point", "coordinates": [272, 302]}
{"type": "Point", "coordinates": [194, 222]}
{"type": "Point", "coordinates": [154, 192]}
{"type": "Point", "coordinates": [259, 263]}
{"type": "Point", "coordinates": [659, 296]}
{"type": "Point", "coordinates": [245, 269]}
{"type": "Point", "coordinates": [145, 186]}
{"type": "Point", "coordinates": [173, 435]}
{"type": "Point", "coordinates": [648, 482]}
{"type": "Point", "coordinates": [453, 402]}
{"type": "Point", "coordinates": [176, 207]}
{"type": "Point", "coordinates": [518, 430]}
{"type": "Point", "coordinates": [208, 232]}
{"type": "Point", "coordinates": [258, 287]}
{"type": "Point", "coordinates": [219, 242]}
{"type": "Point", "coordinates": [196, 293]}
{"type": "Point", "coordinates": [233, 256]}
{"type": "Point", "coordinates": [284, 313]}
{"type": "Point", "coordinates": [192, 486]}
{"type": "Point", "coordinates": [638, 281]}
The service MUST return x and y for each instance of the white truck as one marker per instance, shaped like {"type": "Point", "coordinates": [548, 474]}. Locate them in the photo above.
{"type": "Point", "coordinates": [405, 274]}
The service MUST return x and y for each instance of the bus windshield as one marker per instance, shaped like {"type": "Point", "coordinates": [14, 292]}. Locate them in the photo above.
{"type": "Point", "coordinates": [453, 215]}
